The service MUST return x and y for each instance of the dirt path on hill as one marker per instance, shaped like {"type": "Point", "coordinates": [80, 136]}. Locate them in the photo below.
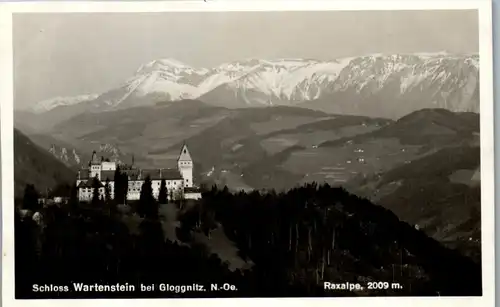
{"type": "Point", "coordinates": [218, 243]}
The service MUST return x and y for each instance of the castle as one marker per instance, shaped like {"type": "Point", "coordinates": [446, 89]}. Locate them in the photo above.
{"type": "Point", "coordinates": [179, 181]}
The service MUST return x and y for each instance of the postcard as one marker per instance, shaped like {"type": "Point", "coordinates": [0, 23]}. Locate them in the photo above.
{"type": "Point", "coordinates": [247, 152]}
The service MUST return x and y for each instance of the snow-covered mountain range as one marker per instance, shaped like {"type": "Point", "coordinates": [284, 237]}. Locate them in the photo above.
{"type": "Point", "coordinates": [438, 79]}
{"type": "Point", "coordinates": [52, 103]}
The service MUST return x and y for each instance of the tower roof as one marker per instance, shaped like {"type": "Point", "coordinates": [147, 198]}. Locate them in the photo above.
{"type": "Point", "coordinates": [94, 160]}
{"type": "Point", "coordinates": [184, 155]}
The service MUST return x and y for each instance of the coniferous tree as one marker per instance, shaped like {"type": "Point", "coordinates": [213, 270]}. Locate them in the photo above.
{"type": "Point", "coordinates": [107, 196]}
{"type": "Point", "coordinates": [124, 187]}
{"type": "Point", "coordinates": [96, 185]}
{"type": "Point", "coordinates": [147, 203]}
{"type": "Point", "coordinates": [62, 190]}
{"type": "Point", "coordinates": [25, 264]}
{"type": "Point", "coordinates": [118, 186]}
{"type": "Point", "coordinates": [30, 200]}
{"type": "Point", "coordinates": [107, 191]}
{"type": "Point", "coordinates": [73, 198]}
{"type": "Point", "coordinates": [162, 196]}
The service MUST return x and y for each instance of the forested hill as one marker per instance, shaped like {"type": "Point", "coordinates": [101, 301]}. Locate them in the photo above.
{"type": "Point", "coordinates": [316, 233]}
{"type": "Point", "coordinates": [295, 242]}
{"type": "Point", "coordinates": [34, 165]}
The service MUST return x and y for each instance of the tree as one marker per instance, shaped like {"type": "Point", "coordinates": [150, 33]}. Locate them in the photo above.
{"type": "Point", "coordinates": [162, 196]}
{"type": "Point", "coordinates": [147, 203]}
{"type": "Point", "coordinates": [73, 198]}
{"type": "Point", "coordinates": [107, 192]}
{"type": "Point", "coordinates": [96, 185]}
{"type": "Point", "coordinates": [63, 190]}
{"type": "Point", "coordinates": [121, 186]}
{"type": "Point", "coordinates": [180, 197]}
{"type": "Point", "coordinates": [107, 197]}
{"type": "Point", "coordinates": [30, 200]}
{"type": "Point", "coordinates": [118, 186]}
{"type": "Point", "coordinates": [124, 188]}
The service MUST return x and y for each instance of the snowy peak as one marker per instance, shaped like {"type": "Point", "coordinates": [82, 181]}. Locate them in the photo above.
{"type": "Point", "coordinates": [169, 65]}
{"type": "Point", "coordinates": [276, 79]}
{"type": "Point", "coordinates": [167, 79]}
{"type": "Point", "coordinates": [449, 80]}
{"type": "Point", "coordinates": [49, 104]}
{"type": "Point", "coordinates": [374, 72]}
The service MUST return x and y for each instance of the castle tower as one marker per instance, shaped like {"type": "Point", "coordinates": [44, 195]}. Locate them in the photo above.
{"type": "Point", "coordinates": [94, 157]}
{"type": "Point", "coordinates": [185, 166]}
{"type": "Point", "coordinates": [95, 167]}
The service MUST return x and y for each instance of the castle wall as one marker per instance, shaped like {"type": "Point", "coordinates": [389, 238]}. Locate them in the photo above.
{"type": "Point", "coordinates": [86, 194]}
{"type": "Point", "coordinates": [95, 170]}
{"type": "Point", "coordinates": [175, 187]}
{"type": "Point", "coordinates": [134, 190]}
{"type": "Point", "coordinates": [186, 170]}
{"type": "Point", "coordinates": [192, 195]}
{"type": "Point", "coordinates": [108, 166]}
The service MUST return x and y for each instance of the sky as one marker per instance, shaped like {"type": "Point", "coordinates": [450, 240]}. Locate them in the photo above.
{"type": "Point", "coordinates": [68, 54]}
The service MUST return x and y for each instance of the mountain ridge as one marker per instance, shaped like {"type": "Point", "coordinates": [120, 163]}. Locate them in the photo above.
{"type": "Point", "coordinates": [438, 79]}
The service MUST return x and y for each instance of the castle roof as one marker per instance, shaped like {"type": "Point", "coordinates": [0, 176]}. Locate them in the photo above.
{"type": "Point", "coordinates": [83, 174]}
{"type": "Point", "coordinates": [94, 160]}
{"type": "Point", "coordinates": [107, 175]}
{"type": "Point", "coordinates": [184, 155]}
{"type": "Point", "coordinates": [159, 174]}
{"type": "Point", "coordinates": [88, 184]}
{"type": "Point", "coordinates": [133, 174]}
{"type": "Point", "coordinates": [136, 174]}
{"type": "Point", "coordinates": [83, 184]}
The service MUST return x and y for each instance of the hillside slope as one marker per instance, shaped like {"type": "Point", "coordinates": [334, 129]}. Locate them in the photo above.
{"type": "Point", "coordinates": [318, 233]}
{"type": "Point", "coordinates": [274, 147]}
{"type": "Point", "coordinates": [34, 165]}
{"type": "Point", "coordinates": [439, 193]}
{"type": "Point", "coordinates": [341, 148]}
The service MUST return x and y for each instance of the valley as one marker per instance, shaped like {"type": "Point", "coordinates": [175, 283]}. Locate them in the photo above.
{"type": "Point", "coordinates": [295, 145]}
{"type": "Point", "coordinates": [284, 147]}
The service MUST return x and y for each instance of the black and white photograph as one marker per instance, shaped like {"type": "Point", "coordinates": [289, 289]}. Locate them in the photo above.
{"type": "Point", "coordinates": [249, 154]}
